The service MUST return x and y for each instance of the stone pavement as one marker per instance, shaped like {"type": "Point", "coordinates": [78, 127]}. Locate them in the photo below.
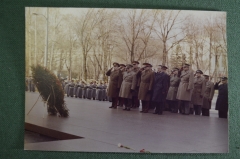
{"type": "Point", "coordinates": [103, 128]}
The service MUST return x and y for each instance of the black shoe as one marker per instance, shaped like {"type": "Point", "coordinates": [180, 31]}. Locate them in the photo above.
{"type": "Point", "coordinates": [128, 109]}
{"type": "Point", "coordinates": [155, 113]}
{"type": "Point", "coordinates": [111, 107]}
{"type": "Point", "coordinates": [159, 113]}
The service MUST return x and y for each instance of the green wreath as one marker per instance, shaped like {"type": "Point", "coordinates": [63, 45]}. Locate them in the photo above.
{"type": "Point", "coordinates": [50, 89]}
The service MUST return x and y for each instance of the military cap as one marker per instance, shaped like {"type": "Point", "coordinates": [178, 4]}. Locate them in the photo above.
{"type": "Point", "coordinates": [199, 71]}
{"type": "Point", "coordinates": [122, 65]}
{"type": "Point", "coordinates": [129, 65]}
{"type": "Point", "coordinates": [176, 69]}
{"type": "Point", "coordinates": [207, 76]}
{"type": "Point", "coordinates": [145, 64]}
{"type": "Point", "coordinates": [224, 78]}
{"type": "Point", "coordinates": [186, 64]}
{"type": "Point", "coordinates": [115, 63]}
{"type": "Point", "coordinates": [135, 62]}
{"type": "Point", "coordinates": [149, 65]}
{"type": "Point", "coordinates": [163, 67]}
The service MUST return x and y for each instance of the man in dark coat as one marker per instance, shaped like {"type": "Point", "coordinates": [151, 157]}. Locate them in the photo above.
{"type": "Point", "coordinates": [160, 89]}
{"type": "Point", "coordinates": [222, 99]}
{"type": "Point", "coordinates": [114, 84]}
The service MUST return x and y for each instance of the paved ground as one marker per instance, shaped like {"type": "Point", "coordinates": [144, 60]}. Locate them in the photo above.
{"type": "Point", "coordinates": [103, 128]}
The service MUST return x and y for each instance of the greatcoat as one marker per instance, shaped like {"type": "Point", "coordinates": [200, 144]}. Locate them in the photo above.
{"type": "Point", "coordinates": [160, 87]}
{"type": "Point", "coordinates": [80, 90]}
{"type": "Point", "coordinates": [198, 90]}
{"type": "Point", "coordinates": [94, 91]}
{"type": "Point", "coordinates": [89, 91]}
{"type": "Point", "coordinates": [222, 99]}
{"type": "Point", "coordinates": [104, 92]}
{"type": "Point", "coordinates": [172, 91]}
{"type": "Point", "coordinates": [114, 83]}
{"type": "Point", "coordinates": [146, 84]}
{"type": "Point", "coordinates": [127, 85]}
{"type": "Point", "coordinates": [136, 81]}
{"type": "Point", "coordinates": [185, 83]}
{"type": "Point", "coordinates": [208, 95]}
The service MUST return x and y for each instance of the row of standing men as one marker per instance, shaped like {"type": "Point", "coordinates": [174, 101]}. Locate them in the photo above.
{"type": "Point", "coordinates": [82, 90]}
{"type": "Point", "coordinates": [184, 92]}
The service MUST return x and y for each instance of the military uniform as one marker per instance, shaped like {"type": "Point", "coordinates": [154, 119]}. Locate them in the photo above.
{"type": "Point", "coordinates": [207, 98]}
{"type": "Point", "coordinates": [197, 95]}
{"type": "Point", "coordinates": [85, 91]}
{"type": "Point", "coordinates": [89, 91]}
{"type": "Point", "coordinates": [172, 93]}
{"type": "Point", "coordinates": [80, 90]}
{"type": "Point", "coordinates": [146, 84]}
{"type": "Point", "coordinates": [120, 99]}
{"type": "Point", "coordinates": [127, 88]}
{"type": "Point", "coordinates": [94, 91]}
{"type": "Point", "coordinates": [104, 92]}
{"type": "Point", "coordinates": [222, 99]}
{"type": "Point", "coordinates": [184, 92]}
{"type": "Point", "coordinates": [114, 86]}
{"type": "Point", "coordinates": [160, 89]}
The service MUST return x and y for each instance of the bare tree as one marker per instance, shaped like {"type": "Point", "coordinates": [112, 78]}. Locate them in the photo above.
{"type": "Point", "coordinates": [135, 31]}
{"type": "Point", "coordinates": [85, 32]}
{"type": "Point", "coordinates": [168, 31]}
{"type": "Point", "coordinates": [57, 18]}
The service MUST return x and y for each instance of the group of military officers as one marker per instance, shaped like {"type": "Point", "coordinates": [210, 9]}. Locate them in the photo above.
{"type": "Point", "coordinates": [183, 90]}
{"type": "Point", "coordinates": [86, 91]}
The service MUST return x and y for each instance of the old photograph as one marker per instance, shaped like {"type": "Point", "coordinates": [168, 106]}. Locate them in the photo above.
{"type": "Point", "coordinates": [126, 80]}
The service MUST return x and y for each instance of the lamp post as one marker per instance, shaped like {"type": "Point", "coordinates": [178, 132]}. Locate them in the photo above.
{"type": "Point", "coordinates": [46, 40]}
{"type": "Point", "coordinates": [35, 42]}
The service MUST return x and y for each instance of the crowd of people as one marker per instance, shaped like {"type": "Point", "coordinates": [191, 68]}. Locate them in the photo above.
{"type": "Point", "coordinates": [182, 91]}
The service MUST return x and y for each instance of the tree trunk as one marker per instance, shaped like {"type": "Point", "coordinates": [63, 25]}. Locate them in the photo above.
{"type": "Point", "coordinates": [85, 67]}
{"type": "Point", "coordinates": [210, 53]}
{"type": "Point", "coordinates": [164, 54]}
{"type": "Point", "coordinates": [196, 49]}
{"type": "Point", "coordinates": [70, 65]}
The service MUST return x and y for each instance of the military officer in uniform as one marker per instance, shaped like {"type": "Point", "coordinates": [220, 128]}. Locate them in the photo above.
{"type": "Point", "coordinates": [127, 86]}
{"type": "Point", "coordinates": [160, 89]}
{"type": "Point", "coordinates": [114, 84]}
{"type": "Point", "coordinates": [147, 78]}
{"type": "Point", "coordinates": [120, 99]}
{"type": "Point", "coordinates": [172, 91]}
{"type": "Point", "coordinates": [184, 93]}
{"type": "Point", "coordinates": [135, 100]}
{"type": "Point", "coordinates": [94, 90]}
{"type": "Point", "coordinates": [222, 99]}
{"type": "Point", "coordinates": [208, 96]}
{"type": "Point", "coordinates": [198, 92]}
